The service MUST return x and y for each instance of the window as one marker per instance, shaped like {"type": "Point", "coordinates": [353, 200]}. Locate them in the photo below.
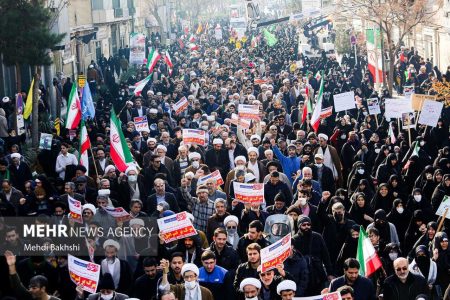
{"type": "Point", "coordinates": [97, 4]}
{"type": "Point", "coordinates": [116, 3]}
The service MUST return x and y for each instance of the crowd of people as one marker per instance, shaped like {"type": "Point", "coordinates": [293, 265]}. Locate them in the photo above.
{"type": "Point", "coordinates": [319, 186]}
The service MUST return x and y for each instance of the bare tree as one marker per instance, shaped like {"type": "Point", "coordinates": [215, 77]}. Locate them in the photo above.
{"type": "Point", "coordinates": [396, 19]}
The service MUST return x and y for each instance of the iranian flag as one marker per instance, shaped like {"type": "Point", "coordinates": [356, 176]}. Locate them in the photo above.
{"type": "Point", "coordinates": [307, 108]}
{"type": "Point", "coordinates": [374, 54]}
{"type": "Point", "coordinates": [152, 59]}
{"type": "Point", "coordinates": [84, 147]}
{"type": "Point", "coordinates": [168, 61]}
{"type": "Point", "coordinates": [73, 115]}
{"type": "Point", "coordinates": [193, 47]}
{"type": "Point", "coordinates": [139, 86]}
{"type": "Point", "coordinates": [366, 255]}
{"type": "Point", "coordinates": [120, 154]}
{"type": "Point", "coordinates": [315, 118]}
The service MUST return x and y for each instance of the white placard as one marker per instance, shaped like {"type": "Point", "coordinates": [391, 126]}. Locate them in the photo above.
{"type": "Point", "coordinates": [431, 111]}
{"type": "Point", "coordinates": [84, 272]}
{"type": "Point", "coordinates": [443, 206]}
{"type": "Point", "coordinates": [373, 106]}
{"type": "Point", "coordinates": [75, 209]}
{"type": "Point", "coordinates": [214, 175]}
{"type": "Point", "coordinates": [141, 124]}
{"type": "Point", "coordinates": [394, 108]}
{"type": "Point", "coordinates": [275, 254]}
{"type": "Point", "coordinates": [249, 192]}
{"type": "Point", "coordinates": [344, 101]}
{"type": "Point", "coordinates": [120, 214]}
{"type": "Point", "coordinates": [194, 136]}
{"type": "Point", "coordinates": [181, 105]}
{"type": "Point", "coordinates": [176, 227]}
{"type": "Point", "coordinates": [247, 111]}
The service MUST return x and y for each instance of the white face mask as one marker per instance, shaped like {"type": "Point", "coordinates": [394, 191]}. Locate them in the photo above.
{"type": "Point", "coordinates": [252, 298]}
{"type": "Point", "coordinates": [418, 198]}
{"type": "Point", "coordinates": [319, 165]}
{"type": "Point", "coordinates": [190, 284]}
{"type": "Point", "coordinates": [377, 150]}
{"type": "Point", "coordinates": [302, 201]}
{"type": "Point", "coordinates": [108, 297]}
{"type": "Point", "coordinates": [205, 128]}
{"type": "Point", "coordinates": [343, 137]}
{"type": "Point", "coordinates": [195, 164]}
{"type": "Point", "coordinates": [393, 255]}
{"type": "Point", "coordinates": [132, 178]}
{"type": "Point", "coordinates": [240, 167]}
{"type": "Point", "coordinates": [360, 171]}
{"type": "Point", "coordinates": [422, 143]}
{"type": "Point", "coordinates": [400, 210]}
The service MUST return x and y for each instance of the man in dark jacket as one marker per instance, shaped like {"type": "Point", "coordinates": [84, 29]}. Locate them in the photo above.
{"type": "Point", "coordinates": [323, 174]}
{"type": "Point", "coordinates": [363, 288]}
{"type": "Point", "coordinates": [146, 285]}
{"type": "Point", "coordinates": [217, 158]}
{"type": "Point", "coordinates": [226, 256]}
{"type": "Point", "coordinates": [248, 269]}
{"type": "Point", "coordinates": [270, 281]}
{"type": "Point", "coordinates": [273, 187]}
{"type": "Point", "coordinates": [160, 195]}
{"type": "Point", "coordinates": [403, 285]}
{"type": "Point", "coordinates": [337, 228]}
{"type": "Point", "coordinates": [254, 235]}
{"type": "Point", "coordinates": [312, 245]}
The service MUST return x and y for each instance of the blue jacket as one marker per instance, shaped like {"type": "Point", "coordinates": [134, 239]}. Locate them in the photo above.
{"type": "Point", "coordinates": [290, 165]}
{"type": "Point", "coordinates": [219, 282]}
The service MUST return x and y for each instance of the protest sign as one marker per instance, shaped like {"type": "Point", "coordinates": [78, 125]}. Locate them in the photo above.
{"type": "Point", "coordinates": [431, 111]}
{"type": "Point", "coordinates": [247, 111]}
{"type": "Point", "coordinates": [373, 106]}
{"type": "Point", "coordinates": [45, 142]}
{"type": "Point", "coordinates": [417, 101]}
{"type": "Point", "coordinates": [120, 214]}
{"type": "Point", "coordinates": [181, 105]}
{"type": "Point", "coordinates": [408, 120]}
{"type": "Point", "coordinates": [214, 175]}
{"type": "Point", "coordinates": [445, 204]}
{"type": "Point", "coordinates": [249, 192]}
{"type": "Point", "coordinates": [394, 108]}
{"type": "Point", "coordinates": [194, 136]}
{"type": "Point", "coordinates": [20, 125]}
{"type": "Point", "coordinates": [141, 124]}
{"type": "Point", "coordinates": [175, 227]}
{"type": "Point", "coordinates": [408, 90]}
{"type": "Point", "coordinates": [326, 112]}
{"type": "Point", "coordinates": [137, 48]}
{"type": "Point", "coordinates": [330, 296]}
{"type": "Point", "coordinates": [275, 254]}
{"type": "Point", "coordinates": [240, 122]}
{"type": "Point", "coordinates": [84, 273]}
{"type": "Point", "coordinates": [75, 210]}
{"type": "Point", "coordinates": [344, 101]}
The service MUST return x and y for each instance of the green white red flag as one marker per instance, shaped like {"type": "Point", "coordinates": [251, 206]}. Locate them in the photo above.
{"type": "Point", "coordinates": [366, 255]}
{"type": "Point", "coordinates": [152, 59]}
{"type": "Point", "coordinates": [315, 118]}
{"type": "Point", "coordinates": [73, 115]}
{"type": "Point", "coordinates": [374, 55]}
{"type": "Point", "coordinates": [139, 86]}
{"type": "Point", "coordinates": [168, 61]}
{"type": "Point", "coordinates": [85, 145]}
{"type": "Point", "coordinates": [120, 153]}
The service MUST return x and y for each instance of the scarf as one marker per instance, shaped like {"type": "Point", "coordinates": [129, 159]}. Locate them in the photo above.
{"type": "Point", "coordinates": [115, 270]}
{"type": "Point", "coordinates": [194, 294]}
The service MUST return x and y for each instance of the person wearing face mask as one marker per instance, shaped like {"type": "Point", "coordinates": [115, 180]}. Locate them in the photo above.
{"type": "Point", "coordinates": [106, 288]}
{"type": "Point", "coordinates": [387, 231]}
{"type": "Point", "coordinates": [441, 255]}
{"type": "Point", "coordinates": [441, 190]}
{"type": "Point", "coordinates": [323, 174]}
{"type": "Point", "coordinates": [422, 265]}
{"type": "Point", "coordinates": [336, 226]}
{"type": "Point", "coordinates": [389, 254]}
{"type": "Point", "coordinates": [399, 216]}
{"type": "Point", "coordinates": [119, 270]}
{"type": "Point", "coordinates": [403, 285]}
{"type": "Point", "coordinates": [312, 245]}
{"type": "Point", "coordinates": [132, 186]}
{"type": "Point", "coordinates": [417, 201]}
{"type": "Point", "coordinates": [190, 289]}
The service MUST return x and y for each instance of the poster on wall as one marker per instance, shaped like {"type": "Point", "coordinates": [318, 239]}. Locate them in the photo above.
{"type": "Point", "coordinates": [137, 48]}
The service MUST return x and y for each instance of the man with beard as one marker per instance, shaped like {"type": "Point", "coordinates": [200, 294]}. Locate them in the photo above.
{"type": "Point", "coordinates": [362, 286]}
{"type": "Point", "coordinates": [312, 245]}
{"type": "Point", "coordinates": [151, 145]}
{"type": "Point", "coordinates": [176, 263]}
{"type": "Point", "coordinates": [215, 278]}
{"type": "Point", "coordinates": [254, 235]}
{"type": "Point", "coordinates": [66, 287]}
{"type": "Point", "coordinates": [217, 158]}
{"type": "Point", "coordinates": [146, 285]}
{"type": "Point", "coordinates": [248, 269]}
{"type": "Point", "coordinates": [119, 269]}
{"type": "Point", "coordinates": [403, 285]}
{"type": "Point", "coordinates": [38, 284]}
{"type": "Point", "coordinates": [216, 220]}
{"type": "Point", "coordinates": [226, 256]}
{"type": "Point", "coordinates": [270, 281]}
{"type": "Point", "coordinates": [291, 163]}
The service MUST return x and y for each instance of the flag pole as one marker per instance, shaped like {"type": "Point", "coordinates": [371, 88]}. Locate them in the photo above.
{"type": "Point", "coordinates": [408, 121]}
{"type": "Point", "coordinates": [93, 158]}
{"type": "Point", "coordinates": [441, 223]}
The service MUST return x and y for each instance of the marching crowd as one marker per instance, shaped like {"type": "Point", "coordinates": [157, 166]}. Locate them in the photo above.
{"type": "Point", "coordinates": [320, 185]}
